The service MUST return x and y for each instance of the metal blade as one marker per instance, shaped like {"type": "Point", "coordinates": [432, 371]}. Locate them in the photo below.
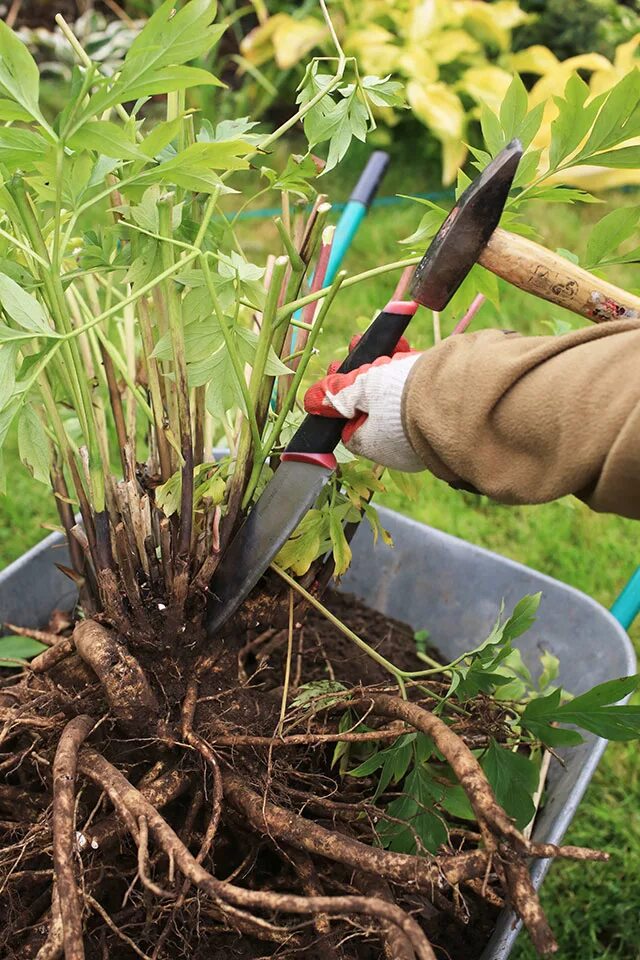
{"type": "Point", "coordinates": [466, 231]}
{"type": "Point", "coordinates": [292, 491]}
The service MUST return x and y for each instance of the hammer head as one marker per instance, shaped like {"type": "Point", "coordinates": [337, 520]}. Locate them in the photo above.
{"type": "Point", "coordinates": [464, 234]}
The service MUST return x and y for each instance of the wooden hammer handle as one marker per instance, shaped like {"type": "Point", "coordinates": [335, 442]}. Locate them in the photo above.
{"type": "Point", "coordinates": [548, 275]}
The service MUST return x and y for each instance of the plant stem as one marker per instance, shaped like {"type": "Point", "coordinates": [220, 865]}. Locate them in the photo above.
{"type": "Point", "coordinates": [232, 348]}
{"type": "Point", "coordinates": [294, 305]}
{"type": "Point", "coordinates": [346, 631]}
{"type": "Point", "coordinates": [165, 208]}
{"type": "Point", "coordinates": [290, 397]}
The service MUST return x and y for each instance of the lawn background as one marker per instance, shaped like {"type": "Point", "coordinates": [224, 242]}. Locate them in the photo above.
{"type": "Point", "coordinates": [593, 908]}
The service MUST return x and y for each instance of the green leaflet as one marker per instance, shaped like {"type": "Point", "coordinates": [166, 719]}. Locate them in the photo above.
{"type": "Point", "coordinates": [23, 308]}
{"type": "Point", "coordinates": [108, 139]}
{"type": "Point", "coordinates": [8, 357]}
{"type": "Point", "coordinates": [338, 122]}
{"type": "Point", "coordinates": [295, 177]}
{"type": "Point", "coordinates": [21, 148]}
{"type": "Point", "coordinates": [416, 807]}
{"type": "Point", "coordinates": [341, 548]}
{"type": "Point", "coordinates": [154, 61]}
{"type": "Point", "coordinates": [514, 779]}
{"type": "Point", "coordinates": [33, 445]}
{"type": "Point", "coordinates": [597, 711]}
{"type": "Point", "coordinates": [19, 77]}
{"type": "Point", "coordinates": [18, 648]}
{"type": "Point", "coordinates": [611, 231]}
{"type": "Point", "coordinates": [319, 694]}
{"type": "Point", "coordinates": [574, 119]}
{"type": "Point", "coordinates": [618, 119]}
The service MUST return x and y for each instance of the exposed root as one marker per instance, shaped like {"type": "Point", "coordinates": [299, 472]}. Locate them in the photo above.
{"type": "Point", "coordinates": [396, 945]}
{"type": "Point", "coordinates": [491, 817]}
{"type": "Point", "coordinates": [159, 792]}
{"type": "Point", "coordinates": [303, 834]}
{"type": "Point", "coordinates": [53, 946]}
{"type": "Point", "coordinates": [99, 909]}
{"type": "Point", "coordinates": [64, 778]}
{"type": "Point", "coordinates": [125, 684]}
{"type": "Point", "coordinates": [130, 804]}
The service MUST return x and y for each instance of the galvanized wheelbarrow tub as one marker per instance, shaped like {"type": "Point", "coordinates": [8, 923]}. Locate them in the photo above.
{"type": "Point", "coordinates": [453, 589]}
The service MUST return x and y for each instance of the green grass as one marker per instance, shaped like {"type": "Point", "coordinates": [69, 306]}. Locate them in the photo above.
{"type": "Point", "coordinates": [593, 908]}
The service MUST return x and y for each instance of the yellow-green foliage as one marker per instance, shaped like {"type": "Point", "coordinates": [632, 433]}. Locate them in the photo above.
{"type": "Point", "coordinates": [454, 57]}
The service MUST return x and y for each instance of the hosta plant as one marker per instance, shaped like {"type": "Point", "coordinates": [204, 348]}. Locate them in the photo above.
{"type": "Point", "coordinates": [167, 791]}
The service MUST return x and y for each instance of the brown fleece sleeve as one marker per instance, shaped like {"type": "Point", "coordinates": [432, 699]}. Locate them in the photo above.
{"type": "Point", "coordinates": [530, 419]}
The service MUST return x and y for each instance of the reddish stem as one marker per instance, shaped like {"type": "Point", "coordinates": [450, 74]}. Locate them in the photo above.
{"type": "Point", "coordinates": [464, 322]}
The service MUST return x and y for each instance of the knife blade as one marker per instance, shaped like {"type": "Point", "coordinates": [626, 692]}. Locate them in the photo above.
{"type": "Point", "coordinates": [305, 467]}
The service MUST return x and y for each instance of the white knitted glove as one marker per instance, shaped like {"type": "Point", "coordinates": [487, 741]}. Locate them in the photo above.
{"type": "Point", "coordinates": [370, 398]}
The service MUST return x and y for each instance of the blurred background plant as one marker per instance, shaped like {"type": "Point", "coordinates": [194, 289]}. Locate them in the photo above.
{"type": "Point", "coordinates": [453, 56]}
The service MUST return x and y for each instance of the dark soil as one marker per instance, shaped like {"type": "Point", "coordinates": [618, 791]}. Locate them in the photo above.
{"type": "Point", "coordinates": [187, 742]}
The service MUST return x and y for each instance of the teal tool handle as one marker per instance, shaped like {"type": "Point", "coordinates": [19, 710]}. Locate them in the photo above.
{"type": "Point", "coordinates": [627, 606]}
{"type": "Point", "coordinates": [346, 228]}
{"type": "Point", "coordinates": [355, 210]}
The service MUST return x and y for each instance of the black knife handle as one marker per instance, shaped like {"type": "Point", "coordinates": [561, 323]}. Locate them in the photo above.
{"type": "Point", "coordinates": [322, 434]}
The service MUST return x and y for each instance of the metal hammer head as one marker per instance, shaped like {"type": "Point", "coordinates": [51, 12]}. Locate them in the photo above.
{"type": "Point", "coordinates": [463, 235]}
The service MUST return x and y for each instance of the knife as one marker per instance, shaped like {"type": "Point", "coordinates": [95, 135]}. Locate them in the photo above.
{"type": "Point", "coordinates": [308, 461]}
{"type": "Point", "coordinates": [305, 467]}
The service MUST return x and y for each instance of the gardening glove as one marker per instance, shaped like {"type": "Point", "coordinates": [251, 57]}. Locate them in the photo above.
{"type": "Point", "coordinates": [370, 398]}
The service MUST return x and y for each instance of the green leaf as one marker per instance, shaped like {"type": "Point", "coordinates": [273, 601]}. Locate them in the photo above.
{"type": "Point", "coordinates": [416, 808]}
{"type": "Point", "coordinates": [618, 119]}
{"type": "Point", "coordinates": [319, 694]}
{"type": "Point", "coordinates": [295, 176]}
{"type": "Point", "coordinates": [621, 159]}
{"type": "Point", "coordinates": [530, 125]}
{"type": "Point", "coordinates": [7, 416]}
{"type": "Point", "coordinates": [21, 148]}
{"type": "Point", "coordinates": [33, 445]}
{"type": "Point", "coordinates": [550, 670]}
{"type": "Point", "coordinates": [598, 712]}
{"type": "Point", "coordinates": [309, 540]}
{"type": "Point", "coordinates": [341, 548]}
{"type": "Point", "coordinates": [108, 139]}
{"type": "Point", "coordinates": [514, 779]}
{"type": "Point", "coordinates": [169, 38]}
{"type": "Point", "coordinates": [574, 119]}
{"type": "Point", "coordinates": [350, 120]}
{"type": "Point", "coordinates": [8, 357]}
{"type": "Point", "coordinates": [378, 530]}
{"type": "Point", "coordinates": [193, 167]}
{"type": "Point", "coordinates": [161, 135]}
{"type": "Point", "coordinates": [13, 111]}
{"type": "Point", "coordinates": [18, 648]}
{"type": "Point", "coordinates": [223, 392]}
{"type": "Point", "coordinates": [513, 108]}
{"type": "Point", "coordinates": [456, 802]}
{"type": "Point", "coordinates": [384, 92]}
{"type": "Point", "coordinates": [19, 77]}
{"type": "Point", "coordinates": [22, 307]}
{"type": "Point", "coordinates": [607, 235]}
{"type": "Point", "coordinates": [429, 225]}
{"type": "Point", "coordinates": [237, 129]}
{"type": "Point", "coordinates": [168, 80]}
{"type": "Point", "coordinates": [523, 617]}
{"type": "Point", "coordinates": [491, 130]}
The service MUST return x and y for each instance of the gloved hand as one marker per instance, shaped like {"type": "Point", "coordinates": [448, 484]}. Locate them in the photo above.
{"type": "Point", "coordinates": [371, 399]}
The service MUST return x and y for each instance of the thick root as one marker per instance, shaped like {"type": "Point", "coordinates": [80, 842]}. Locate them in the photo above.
{"type": "Point", "coordinates": [64, 833]}
{"type": "Point", "coordinates": [131, 805]}
{"type": "Point", "coordinates": [125, 684]}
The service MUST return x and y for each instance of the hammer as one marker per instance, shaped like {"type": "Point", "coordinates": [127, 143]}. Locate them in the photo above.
{"type": "Point", "coordinates": [470, 234]}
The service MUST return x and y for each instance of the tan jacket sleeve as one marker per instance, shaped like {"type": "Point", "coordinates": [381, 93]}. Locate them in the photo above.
{"type": "Point", "coordinates": [530, 419]}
